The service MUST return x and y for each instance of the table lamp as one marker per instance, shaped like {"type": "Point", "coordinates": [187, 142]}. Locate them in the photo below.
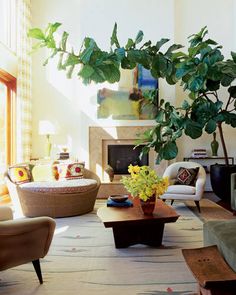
{"type": "Point", "coordinates": [47, 128]}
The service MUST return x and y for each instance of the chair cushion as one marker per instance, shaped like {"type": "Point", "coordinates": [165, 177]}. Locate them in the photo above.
{"type": "Point", "coordinates": [61, 187]}
{"type": "Point", "coordinates": [186, 176]}
{"type": "Point", "coordinates": [181, 189]}
{"type": "Point", "coordinates": [19, 174]}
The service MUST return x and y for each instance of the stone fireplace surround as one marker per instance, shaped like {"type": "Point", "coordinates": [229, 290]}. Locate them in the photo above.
{"type": "Point", "coordinates": [99, 139]}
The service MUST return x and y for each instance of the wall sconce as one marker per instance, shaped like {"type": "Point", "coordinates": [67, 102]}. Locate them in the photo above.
{"type": "Point", "coordinates": [47, 128]}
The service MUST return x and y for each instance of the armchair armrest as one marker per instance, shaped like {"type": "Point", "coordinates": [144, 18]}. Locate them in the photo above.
{"type": "Point", "coordinates": [5, 213]}
{"type": "Point", "coordinates": [24, 240]}
{"type": "Point", "coordinates": [200, 186]}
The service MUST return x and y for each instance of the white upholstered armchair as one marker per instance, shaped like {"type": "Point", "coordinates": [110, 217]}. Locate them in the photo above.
{"type": "Point", "coordinates": [185, 192]}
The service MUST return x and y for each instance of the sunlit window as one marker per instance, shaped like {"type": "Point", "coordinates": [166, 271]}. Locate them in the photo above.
{"type": "Point", "coordinates": [8, 23]}
{"type": "Point", "coordinates": [3, 125]}
{"type": "Point", "coordinates": [7, 101]}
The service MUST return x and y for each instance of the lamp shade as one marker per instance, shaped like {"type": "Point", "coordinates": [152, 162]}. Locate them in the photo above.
{"type": "Point", "coordinates": [46, 127]}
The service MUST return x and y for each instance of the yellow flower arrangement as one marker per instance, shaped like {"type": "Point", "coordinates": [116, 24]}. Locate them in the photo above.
{"type": "Point", "coordinates": [144, 182]}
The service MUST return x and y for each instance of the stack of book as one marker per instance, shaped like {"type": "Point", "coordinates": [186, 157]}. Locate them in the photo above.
{"type": "Point", "coordinates": [199, 153]}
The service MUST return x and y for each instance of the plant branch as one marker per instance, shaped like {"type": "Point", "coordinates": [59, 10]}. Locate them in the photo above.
{"type": "Point", "coordinates": [228, 102]}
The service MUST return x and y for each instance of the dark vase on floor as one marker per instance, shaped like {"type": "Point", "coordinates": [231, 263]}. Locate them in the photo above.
{"type": "Point", "coordinates": [148, 206]}
{"type": "Point", "coordinates": [220, 180]}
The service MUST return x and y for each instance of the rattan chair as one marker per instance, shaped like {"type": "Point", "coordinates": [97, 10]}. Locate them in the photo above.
{"type": "Point", "coordinates": [53, 204]}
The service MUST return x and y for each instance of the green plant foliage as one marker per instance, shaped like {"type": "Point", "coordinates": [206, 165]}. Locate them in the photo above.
{"type": "Point", "coordinates": [202, 71]}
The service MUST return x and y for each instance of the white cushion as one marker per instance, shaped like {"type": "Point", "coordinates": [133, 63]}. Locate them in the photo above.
{"type": "Point", "coordinates": [61, 187]}
{"type": "Point", "coordinates": [181, 189]}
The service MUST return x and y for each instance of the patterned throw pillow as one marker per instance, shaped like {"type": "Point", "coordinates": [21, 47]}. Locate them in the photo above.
{"type": "Point", "coordinates": [186, 176]}
{"type": "Point", "coordinates": [70, 171]}
{"type": "Point", "coordinates": [19, 174]}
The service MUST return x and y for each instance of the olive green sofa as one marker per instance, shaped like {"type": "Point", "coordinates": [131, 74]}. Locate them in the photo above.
{"type": "Point", "coordinates": [223, 234]}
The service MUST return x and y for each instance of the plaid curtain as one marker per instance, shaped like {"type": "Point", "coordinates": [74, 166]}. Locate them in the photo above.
{"type": "Point", "coordinates": [23, 103]}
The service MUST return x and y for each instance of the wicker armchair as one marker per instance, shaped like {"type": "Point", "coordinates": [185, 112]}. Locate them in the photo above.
{"type": "Point", "coordinates": [54, 203]}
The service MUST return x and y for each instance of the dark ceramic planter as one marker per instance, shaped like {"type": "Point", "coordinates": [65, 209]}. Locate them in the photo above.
{"type": "Point", "coordinates": [220, 180]}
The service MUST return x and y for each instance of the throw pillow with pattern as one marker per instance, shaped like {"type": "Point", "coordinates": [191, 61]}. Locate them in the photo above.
{"type": "Point", "coordinates": [70, 171]}
{"type": "Point", "coordinates": [19, 174]}
{"type": "Point", "coordinates": [187, 176]}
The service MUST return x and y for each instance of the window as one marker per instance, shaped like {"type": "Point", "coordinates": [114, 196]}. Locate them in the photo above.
{"type": "Point", "coordinates": [8, 23]}
{"type": "Point", "coordinates": [7, 105]}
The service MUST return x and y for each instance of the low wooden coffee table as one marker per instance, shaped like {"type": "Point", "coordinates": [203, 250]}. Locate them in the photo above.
{"type": "Point", "coordinates": [130, 226]}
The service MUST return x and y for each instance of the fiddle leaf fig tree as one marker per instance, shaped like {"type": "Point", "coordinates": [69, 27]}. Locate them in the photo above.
{"type": "Point", "coordinates": [202, 71]}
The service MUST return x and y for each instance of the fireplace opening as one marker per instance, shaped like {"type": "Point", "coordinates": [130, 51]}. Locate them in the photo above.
{"type": "Point", "coordinates": [122, 155]}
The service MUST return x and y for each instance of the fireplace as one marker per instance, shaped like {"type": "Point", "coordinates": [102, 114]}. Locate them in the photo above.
{"type": "Point", "coordinates": [100, 138]}
{"type": "Point", "coordinates": [122, 155]}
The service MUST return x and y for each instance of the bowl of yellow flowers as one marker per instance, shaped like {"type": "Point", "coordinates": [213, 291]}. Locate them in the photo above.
{"type": "Point", "coordinates": [145, 184]}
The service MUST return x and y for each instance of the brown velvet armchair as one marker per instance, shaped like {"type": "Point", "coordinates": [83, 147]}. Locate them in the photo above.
{"type": "Point", "coordinates": [24, 240]}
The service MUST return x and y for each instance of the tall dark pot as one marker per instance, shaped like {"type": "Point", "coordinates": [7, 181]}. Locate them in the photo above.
{"type": "Point", "coordinates": [220, 180]}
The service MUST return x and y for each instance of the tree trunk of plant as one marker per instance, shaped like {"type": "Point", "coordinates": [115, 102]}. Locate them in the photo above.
{"type": "Point", "coordinates": [219, 125]}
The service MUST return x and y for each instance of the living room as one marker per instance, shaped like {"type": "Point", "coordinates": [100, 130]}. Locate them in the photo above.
{"type": "Point", "coordinates": [71, 109]}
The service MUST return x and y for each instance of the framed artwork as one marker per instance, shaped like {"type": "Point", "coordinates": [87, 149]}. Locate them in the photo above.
{"type": "Point", "coordinates": [136, 101]}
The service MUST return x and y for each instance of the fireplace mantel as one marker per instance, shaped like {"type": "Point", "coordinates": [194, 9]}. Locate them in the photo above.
{"type": "Point", "coordinates": [99, 139]}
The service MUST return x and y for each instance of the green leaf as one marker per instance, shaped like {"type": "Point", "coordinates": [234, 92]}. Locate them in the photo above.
{"type": "Point", "coordinates": [211, 42]}
{"type": "Point", "coordinates": [185, 105]}
{"type": "Point", "coordinates": [64, 40]}
{"type": "Point", "coordinates": [71, 60]}
{"type": "Point", "coordinates": [86, 71]}
{"type": "Point", "coordinates": [60, 65]}
{"type": "Point", "coordinates": [233, 54]}
{"type": "Point", "coordinates": [161, 42]}
{"type": "Point", "coordinates": [127, 63]}
{"type": "Point", "coordinates": [173, 48]}
{"type": "Point", "coordinates": [129, 44]}
{"type": "Point", "coordinates": [193, 129]}
{"type": "Point", "coordinates": [52, 28]}
{"type": "Point", "coordinates": [232, 91]}
{"type": "Point", "coordinates": [139, 37]}
{"type": "Point", "coordinates": [87, 52]}
{"type": "Point", "coordinates": [202, 69]}
{"type": "Point", "coordinates": [169, 151]}
{"type": "Point", "coordinates": [120, 52]}
{"type": "Point", "coordinates": [210, 126]}
{"type": "Point", "coordinates": [114, 39]}
{"type": "Point", "coordinates": [195, 83]}
{"type": "Point", "coordinates": [226, 80]}
{"type": "Point", "coordinates": [181, 72]}
{"type": "Point", "coordinates": [36, 33]}
{"type": "Point", "coordinates": [70, 72]}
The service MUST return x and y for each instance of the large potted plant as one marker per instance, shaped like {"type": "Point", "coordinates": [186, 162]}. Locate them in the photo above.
{"type": "Point", "coordinates": [202, 72]}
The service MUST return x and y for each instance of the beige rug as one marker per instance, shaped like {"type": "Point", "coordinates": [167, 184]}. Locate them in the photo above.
{"type": "Point", "coordinates": [83, 260]}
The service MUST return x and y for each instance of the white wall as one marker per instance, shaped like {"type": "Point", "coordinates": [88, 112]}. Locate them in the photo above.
{"type": "Point", "coordinates": [69, 104]}
{"type": "Point", "coordinates": [218, 16]}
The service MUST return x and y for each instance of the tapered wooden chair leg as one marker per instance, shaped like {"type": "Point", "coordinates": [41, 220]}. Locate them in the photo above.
{"type": "Point", "coordinates": [172, 201]}
{"type": "Point", "coordinates": [37, 269]}
{"type": "Point", "coordinates": [198, 206]}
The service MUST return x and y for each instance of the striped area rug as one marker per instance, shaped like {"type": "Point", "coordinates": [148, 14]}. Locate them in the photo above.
{"type": "Point", "coordinates": [83, 260]}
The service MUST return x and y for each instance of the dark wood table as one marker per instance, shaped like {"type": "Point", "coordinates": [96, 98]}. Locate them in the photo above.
{"type": "Point", "coordinates": [130, 226]}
